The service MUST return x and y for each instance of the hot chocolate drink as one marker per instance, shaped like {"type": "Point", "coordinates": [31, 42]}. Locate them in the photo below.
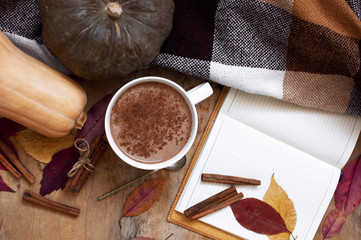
{"type": "Point", "coordinates": [151, 122]}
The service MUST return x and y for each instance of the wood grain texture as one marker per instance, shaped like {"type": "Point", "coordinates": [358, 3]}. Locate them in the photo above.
{"type": "Point", "coordinates": [99, 220]}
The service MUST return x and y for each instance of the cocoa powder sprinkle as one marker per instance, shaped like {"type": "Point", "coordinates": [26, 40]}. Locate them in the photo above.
{"type": "Point", "coordinates": [151, 120]}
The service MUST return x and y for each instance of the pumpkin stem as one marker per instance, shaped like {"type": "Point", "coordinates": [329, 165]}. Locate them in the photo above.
{"type": "Point", "coordinates": [113, 9]}
{"type": "Point", "coordinates": [80, 121]}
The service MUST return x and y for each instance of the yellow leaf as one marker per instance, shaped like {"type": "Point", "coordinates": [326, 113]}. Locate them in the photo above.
{"type": "Point", "coordinates": [40, 147]}
{"type": "Point", "coordinates": [279, 200]}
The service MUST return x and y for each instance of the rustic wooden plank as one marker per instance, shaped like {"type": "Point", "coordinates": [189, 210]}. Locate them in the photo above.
{"type": "Point", "coordinates": [99, 220]}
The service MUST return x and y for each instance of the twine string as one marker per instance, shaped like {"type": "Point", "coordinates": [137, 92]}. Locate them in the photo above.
{"type": "Point", "coordinates": [84, 160]}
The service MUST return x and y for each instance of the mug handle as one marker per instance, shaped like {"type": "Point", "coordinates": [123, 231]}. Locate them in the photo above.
{"type": "Point", "coordinates": [200, 92]}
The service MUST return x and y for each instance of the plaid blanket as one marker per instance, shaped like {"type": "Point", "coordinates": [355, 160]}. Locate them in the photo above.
{"type": "Point", "coordinates": [302, 51]}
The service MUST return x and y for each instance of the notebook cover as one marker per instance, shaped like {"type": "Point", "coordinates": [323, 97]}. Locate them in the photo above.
{"type": "Point", "coordinates": [179, 218]}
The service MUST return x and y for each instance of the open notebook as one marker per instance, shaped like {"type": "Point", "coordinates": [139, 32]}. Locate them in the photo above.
{"type": "Point", "coordinates": [253, 136]}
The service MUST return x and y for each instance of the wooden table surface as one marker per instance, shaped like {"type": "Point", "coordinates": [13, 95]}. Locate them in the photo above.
{"type": "Point", "coordinates": [98, 220]}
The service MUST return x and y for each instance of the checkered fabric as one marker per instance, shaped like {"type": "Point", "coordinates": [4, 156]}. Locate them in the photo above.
{"type": "Point", "coordinates": [302, 51]}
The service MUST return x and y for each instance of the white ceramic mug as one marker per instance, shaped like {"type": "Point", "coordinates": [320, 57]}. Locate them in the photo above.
{"type": "Point", "coordinates": [192, 97]}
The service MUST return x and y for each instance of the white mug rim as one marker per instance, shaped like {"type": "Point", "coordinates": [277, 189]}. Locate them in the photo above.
{"type": "Point", "coordinates": [165, 163]}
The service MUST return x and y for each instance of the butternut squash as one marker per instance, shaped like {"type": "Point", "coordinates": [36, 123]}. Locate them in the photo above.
{"type": "Point", "coordinates": [36, 95]}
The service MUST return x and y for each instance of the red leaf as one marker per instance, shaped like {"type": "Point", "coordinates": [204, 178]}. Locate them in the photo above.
{"type": "Point", "coordinates": [348, 191]}
{"type": "Point", "coordinates": [94, 125]}
{"type": "Point", "coordinates": [333, 223]}
{"type": "Point", "coordinates": [2, 167]}
{"type": "Point", "coordinates": [4, 187]}
{"type": "Point", "coordinates": [55, 173]}
{"type": "Point", "coordinates": [258, 216]}
{"type": "Point", "coordinates": [8, 128]}
{"type": "Point", "coordinates": [143, 197]}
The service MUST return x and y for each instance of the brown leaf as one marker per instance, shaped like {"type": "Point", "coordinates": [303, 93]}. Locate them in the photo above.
{"type": "Point", "coordinates": [333, 223]}
{"type": "Point", "coordinates": [40, 147]}
{"type": "Point", "coordinates": [258, 216]}
{"type": "Point", "coordinates": [277, 197]}
{"type": "Point", "coordinates": [143, 197]}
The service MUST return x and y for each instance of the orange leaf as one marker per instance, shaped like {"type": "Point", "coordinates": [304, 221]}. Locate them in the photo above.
{"type": "Point", "coordinates": [277, 197]}
{"type": "Point", "coordinates": [40, 147]}
{"type": "Point", "coordinates": [143, 197]}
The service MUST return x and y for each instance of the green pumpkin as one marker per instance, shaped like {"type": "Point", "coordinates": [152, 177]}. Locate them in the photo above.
{"type": "Point", "coordinates": [101, 39]}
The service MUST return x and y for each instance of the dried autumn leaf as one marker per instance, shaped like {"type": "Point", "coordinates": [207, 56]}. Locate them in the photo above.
{"type": "Point", "coordinates": [258, 216]}
{"type": "Point", "coordinates": [347, 198]}
{"type": "Point", "coordinates": [40, 147]}
{"type": "Point", "coordinates": [333, 222]}
{"type": "Point", "coordinates": [143, 197]}
{"type": "Point", "coordinates": [348, 193]}
{"type": "Point", "coordinates": [2, 167]}
{"type": "Point", "coordinates": [55, 173]}
{"type": "Point", "coordinates": [4, 187]}
{"type": "Point", "coordinates": [94, 125]}
{"type": "Point", "coordinates": [7, 129]}
{"type": "Point", "coordinates": [277, 197]}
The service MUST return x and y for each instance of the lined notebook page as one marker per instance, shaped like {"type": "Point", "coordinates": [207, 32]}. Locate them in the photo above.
{"type": "Point", "coordinates": [233, 148]}
{"type": "Point", "coordinates": [327, 136]}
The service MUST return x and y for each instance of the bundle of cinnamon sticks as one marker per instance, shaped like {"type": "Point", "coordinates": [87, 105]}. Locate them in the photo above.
{"type": "Point", "coordinates": [214, 203]}
{"type": "Point", "coordinates": [97, 149]}
{"type": "Point", "coordinates": [221, 199]}
{"type": "Point", "coordinates": [13, 164]}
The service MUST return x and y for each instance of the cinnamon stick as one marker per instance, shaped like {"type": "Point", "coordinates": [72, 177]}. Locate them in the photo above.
{"type": "Point", "coordinates": [16, 162]}
{"type": "Point", "coordinates": [98, 148]}
{"type": "Point", "coordinates": [218, 178]}
{"type": "Point", "coordinates": [219, 206]}
{"type": "Point", "coordinates": [72, 181]}
{"type": "Point", "coordinates": [97, 155]}
{"type": "Point", "coordinates": [94, 144]}
{"type": "Point", "coordinates": [211, 201]}
{"type": "Point", "coordinates": [9, 167]}
{"type": "Point", "coordinates": [39, 200]}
